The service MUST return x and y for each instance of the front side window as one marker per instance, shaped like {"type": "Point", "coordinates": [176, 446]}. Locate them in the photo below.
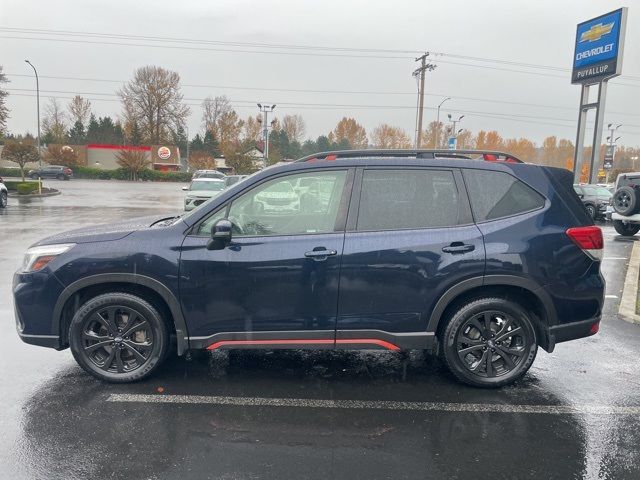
{"type": "Point", "coordinates": [498, 194]}
{"type": "Point", "coordinates": [275, 207]}
{"type": "Point", "coordinates": [407, 199]}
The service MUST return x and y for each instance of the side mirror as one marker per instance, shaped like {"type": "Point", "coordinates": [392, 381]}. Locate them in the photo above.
{"type": "Point", "coordinates": [185, 188]}
{"type": "Point", "coordinates": [220, 235]}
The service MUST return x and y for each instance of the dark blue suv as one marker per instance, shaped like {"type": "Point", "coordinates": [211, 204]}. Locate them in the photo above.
{"type": "Point", "coordinates": [474, 256]}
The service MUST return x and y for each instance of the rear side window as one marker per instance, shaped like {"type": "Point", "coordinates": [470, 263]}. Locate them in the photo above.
{"type": "Point", "coordinates": [407, 199]}
{"type": "Point", "coordinates": [497, 195]}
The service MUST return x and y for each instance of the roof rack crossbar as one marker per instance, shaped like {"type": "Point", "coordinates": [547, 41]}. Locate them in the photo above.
{"type": "Point", "coordinates": [488, 155]}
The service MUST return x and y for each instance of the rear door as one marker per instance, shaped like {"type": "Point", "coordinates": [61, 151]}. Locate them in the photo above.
{"type": "Point", "coordinates": [410, 237]}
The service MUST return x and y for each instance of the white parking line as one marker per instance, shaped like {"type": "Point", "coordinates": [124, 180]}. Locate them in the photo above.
{"type": "Point", "coordinates": [614, 258]}
{"type": "Point", "coordinates": [610, 296]}
{"type": "Point", "coordinates": [375, 404]}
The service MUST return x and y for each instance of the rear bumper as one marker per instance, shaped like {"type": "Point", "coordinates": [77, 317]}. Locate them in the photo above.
{"type": "Point", "coordinates": [627, 219]}
{"type": "Point", "coordinates": [572, 331]}
{"type": "Point", "coordinates": [50, 341]}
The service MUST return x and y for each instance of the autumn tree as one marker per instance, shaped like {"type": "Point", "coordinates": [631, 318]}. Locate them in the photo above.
{"type": "Point", "coordinates": [54, 123]}
{"type": "Point", "coordinates": [251, 130]}
{"type": "Point", "coordinates": [4, 111]}
{"type": "Point", "coordinates": [465, 140]}
{"type": "Point", "coordinates": [134, 161]}
{"type": "Point", "coordinates": [387, 136]}
{"type": "Point", "coordinates": [20, 153]}
{"type": "Point", "coordinates": [565, 151]}
{"type": "Point", "coordinates": [352, 131]}
{"type": "Point", "coordinates": [241, 164]}
{"type": "Point", "coordinates": [489, 140]}
{"type": "Point", "coordinates": [223, 122]}
{"type": "Point", "coordinates": [153, 99]}
{"type": "Point", "coordinates": [435, 130]}
{"type": "Point", "coordinates": [200, 160]}
{"type": "Point", "coordinates": [521, 148]}
{"type": "Point", "coordinates": [61, 155]}
{"type": "Point", "coordinates": [79, 110]}
{"type": "Point", "coordinates": [294, 127]}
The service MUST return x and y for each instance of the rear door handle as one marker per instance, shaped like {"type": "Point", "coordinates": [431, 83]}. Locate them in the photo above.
{"type": "Point", "coordinates": [458, 247]}
{"type": "Point", "coordinates": [320, 253]}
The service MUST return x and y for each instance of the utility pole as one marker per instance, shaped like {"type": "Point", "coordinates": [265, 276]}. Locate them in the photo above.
{"type": "Point", "coordinates": [424, 66]}
{"type": "Point", "coordinates": [38, 107]}
{"type": "Point", "coordinates": [265, 131]}
{"type": "Point", "coordinates": [436, 144]}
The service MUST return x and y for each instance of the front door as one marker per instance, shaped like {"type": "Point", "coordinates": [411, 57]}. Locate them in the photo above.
{"type": "Point", "coordinates": [410, 237]}
{"type": "Point", "coordinates": [278, 279]}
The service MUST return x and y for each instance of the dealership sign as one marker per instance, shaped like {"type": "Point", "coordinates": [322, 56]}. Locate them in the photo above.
{"type": "Point", "coordinates": [609, 154]}
{"type": "Point", "coordinates": [598, 48]}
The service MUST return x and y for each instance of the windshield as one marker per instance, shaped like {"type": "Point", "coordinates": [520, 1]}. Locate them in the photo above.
{"type": "Point", "coordinates": [210, 186]}
{"type": "Point", "coordinates": [596, 191]}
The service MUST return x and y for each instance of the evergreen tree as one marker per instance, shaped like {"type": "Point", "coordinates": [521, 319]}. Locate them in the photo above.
{"type": "Point", "coordinates": [197, 145]}
{"type": "Point", "coordinates": [180, 139]}
{"type": "Point", "coordinates": [77, 135]}
{"type": "Point", "coordinates": [135, 135]}
{"type": "Point", "coordinates": [211, 144]}
{"type": "Point", "coordinates": [93, 130]}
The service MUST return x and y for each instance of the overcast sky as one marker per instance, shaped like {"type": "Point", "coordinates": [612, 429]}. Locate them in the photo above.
{"type": "Point", "coordinates": [538, 33]}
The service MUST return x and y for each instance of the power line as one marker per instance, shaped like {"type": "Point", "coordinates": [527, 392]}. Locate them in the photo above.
{"type": "Point", "coordinates": [71, 33]}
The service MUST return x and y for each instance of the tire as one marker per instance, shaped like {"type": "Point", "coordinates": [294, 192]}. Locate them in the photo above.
{"type": "Point", "coordinates": [60, 177]}
{"type": "Point", "coordinates": [103, 347]}
{"type": "Point", "coordinates": [490, 358]}
{"type": "Point", "coordinates": [625, 201]}
{"type": "Point", "coordinates": [626, 229]}
{"type": "Point", "coordinates": [591, 210]}
{"type": "Point", "coordinates": [3, 199]}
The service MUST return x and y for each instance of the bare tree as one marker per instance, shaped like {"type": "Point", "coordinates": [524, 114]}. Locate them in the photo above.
{"type": "Point", "coordinates": [294, 127]}
{"type": "Point", "coordinates": [79, 110]}
{"type": "Point", "coordinates": [4, 111]}
{"type": "Point", "coordinates": [223, 122]}
{"type": "Point", "coordinates": [252, 128]}
{"type": "Point", "coordinates": [54, 123]}
{"type": "Point", "coordinates": [153, 100]}
{"type": "Point", "coordinates": [134, 161]}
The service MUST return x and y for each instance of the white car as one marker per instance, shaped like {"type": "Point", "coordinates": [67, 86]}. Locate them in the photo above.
{"type": "Point", "coordinates": [4, 193]}
{"type": "Point", "coordinates": [279, 197]}
{"type": "Point", "coordinates": [200, 190]}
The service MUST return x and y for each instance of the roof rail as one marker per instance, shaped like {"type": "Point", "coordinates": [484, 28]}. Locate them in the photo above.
{"type": "Point", "coordinates": [486, 155]}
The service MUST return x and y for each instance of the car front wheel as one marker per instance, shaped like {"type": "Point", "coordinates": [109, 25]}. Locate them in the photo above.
{"type": "Point", "coordinates": [489, 342]}
{"type": "Point", "coordinates": [591, 210]}
{"type": "Point", "coordinates": [3, 199]}
{"type": "Point", "coordinates": [118, 337]}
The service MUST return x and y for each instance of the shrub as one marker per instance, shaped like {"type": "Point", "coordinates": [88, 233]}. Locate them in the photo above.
{"type": "Point", "coordinates": [123, 174]}
{"type": "Point", "coordinates": [13, 184]}
{"type": "Point", "coordinates": [27, 188]}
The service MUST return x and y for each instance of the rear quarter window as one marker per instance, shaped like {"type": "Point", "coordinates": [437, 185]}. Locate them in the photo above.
{"type": "Point", "coordinates": [497, 195]}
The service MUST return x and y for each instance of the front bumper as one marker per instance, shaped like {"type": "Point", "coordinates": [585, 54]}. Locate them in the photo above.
{"type": "Point", "coordinates": [192, 202]}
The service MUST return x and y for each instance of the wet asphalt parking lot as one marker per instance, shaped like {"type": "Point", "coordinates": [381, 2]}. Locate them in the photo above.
{"type": "Point", "coordinates": [296, 414]}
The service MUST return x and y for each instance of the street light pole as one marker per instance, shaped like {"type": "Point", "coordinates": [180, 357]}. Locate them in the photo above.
{"type": "Point", "coordinates": [265, 109]}
{"type": "Point", "coordinates": [38, 109]}
{"type": "Point", "coordinates": [453, 128]}
{"type": "Point", "coordinates": [437, 142]}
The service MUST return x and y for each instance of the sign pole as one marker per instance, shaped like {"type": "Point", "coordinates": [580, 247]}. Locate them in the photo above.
{"type": "Point", "coordinates": [597, 131]}
{"type": "Point", "coordinates": [582, 121]}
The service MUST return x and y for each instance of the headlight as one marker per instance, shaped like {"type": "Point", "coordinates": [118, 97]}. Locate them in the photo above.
{"type": "Point", "coordinates": [37, 258]}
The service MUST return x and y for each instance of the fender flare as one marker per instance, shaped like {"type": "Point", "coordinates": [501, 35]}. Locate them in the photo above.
{"type": "Point", "coordinates": [488, 280]}
{"type": "Point", "coordinates": [134, 279]}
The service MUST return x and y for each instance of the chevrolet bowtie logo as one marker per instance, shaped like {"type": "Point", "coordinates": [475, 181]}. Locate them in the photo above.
{"type": "Point", "coordinates": [596, 32]}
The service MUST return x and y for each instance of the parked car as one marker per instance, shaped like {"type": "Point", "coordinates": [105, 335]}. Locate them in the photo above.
{"type": "Point", "coordinates": [200, 190]}
{"type": "Point", "coordinates": [481, 262]}
{"type": "Point", "coordinates": [278, 197]}
{"type": "Point", "coordinates": [626, 204]}
{"type": "Point", "coordinates": [52, 171]}
{"type": "Point", "coordinates": [233, 179]}
{"type": "Point", "coordinates": [208, 174]}
{"type": "Point", "coordinates": [4, 194]}
{"type": "Point", "coordinates": [594, 198]}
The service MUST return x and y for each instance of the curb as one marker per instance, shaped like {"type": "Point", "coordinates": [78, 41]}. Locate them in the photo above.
{"type": "Point", "coordinates": [35, 195]}
{"type": "Point", "coordinates": [627, 309]}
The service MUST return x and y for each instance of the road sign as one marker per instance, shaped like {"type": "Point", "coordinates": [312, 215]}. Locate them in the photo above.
{"type": "Point", "coordinates": [451, 143]}
{"type": "Point", "coordinates": [609, 154]}
{"type": "Point", "coordinates": [598, 48]}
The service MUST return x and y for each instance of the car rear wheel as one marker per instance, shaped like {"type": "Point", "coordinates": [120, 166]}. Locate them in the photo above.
{"type": "Point", "coordinates": [625, 201]}
{"type": "Point", "coordinates": [626, 229]}
{"type": "Point", "coordinates": [489, 342]}
{"type": "Point", "coordinates": [591, 210]}
{"type": "Point", "coordinates": [118, 337]}
{"type": "Point", "coordinates": [3, 199]}
{"type": "Point", "coordinates": [60, 177]}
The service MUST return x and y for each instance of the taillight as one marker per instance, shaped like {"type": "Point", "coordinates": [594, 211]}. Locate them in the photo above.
{"type": "Point", "coordinates": [589, 239]}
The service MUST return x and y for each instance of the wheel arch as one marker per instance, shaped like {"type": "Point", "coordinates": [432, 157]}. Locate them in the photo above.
{"type": "Point", "coordinates": [523, 290]}
{"type": "Point", "coordinates": [79, 291]}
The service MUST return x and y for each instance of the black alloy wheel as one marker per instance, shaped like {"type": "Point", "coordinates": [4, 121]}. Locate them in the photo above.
{"type": "Point", "coordinates": [591, 210]}
{"type": "Point", "coordinates": [118, 337]}
{"type": "Point", "coordinates": [489, 342]}
{"type": "Point", "coordinates": [3, 199]}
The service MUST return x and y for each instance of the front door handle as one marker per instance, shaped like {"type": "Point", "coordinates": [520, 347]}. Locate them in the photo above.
{"type": "Point", "coordinates": [320, 253]}
{"type": "Point", "coordinates": [458, 247]}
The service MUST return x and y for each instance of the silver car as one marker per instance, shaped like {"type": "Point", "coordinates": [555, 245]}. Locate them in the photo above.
{"type": "Point", "coordinates": [201, 190]}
